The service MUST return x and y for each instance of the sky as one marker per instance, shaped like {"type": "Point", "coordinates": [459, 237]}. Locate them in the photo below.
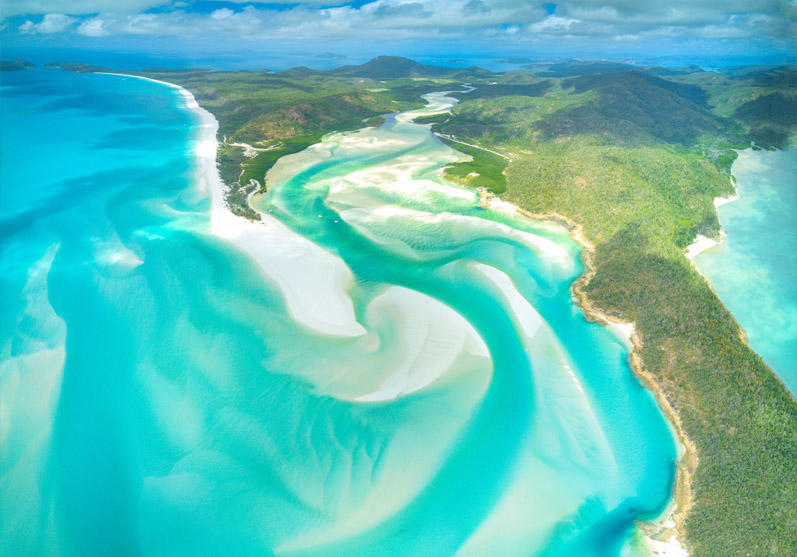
{"type": "Point", "coordinates": [324, 33]}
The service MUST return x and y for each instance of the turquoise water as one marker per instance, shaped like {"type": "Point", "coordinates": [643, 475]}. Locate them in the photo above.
{"type": "Point", "coordinates": [403, 373]}
{"type": "Point", "coordinates": [754, 268]}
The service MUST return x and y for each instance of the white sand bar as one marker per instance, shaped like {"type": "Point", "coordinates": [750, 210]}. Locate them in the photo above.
{"type": "Point", "coordinates": [313, 282]}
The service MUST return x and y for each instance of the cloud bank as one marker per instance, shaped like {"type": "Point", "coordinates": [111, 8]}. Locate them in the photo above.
{"type": "Point", "coordinates": [772, 21]}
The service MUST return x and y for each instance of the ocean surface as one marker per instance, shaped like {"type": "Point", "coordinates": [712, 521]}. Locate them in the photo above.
{"type": "Point", "coordinates": [380, 367]}
{"type": "Point", "coordinates": [754, 268]}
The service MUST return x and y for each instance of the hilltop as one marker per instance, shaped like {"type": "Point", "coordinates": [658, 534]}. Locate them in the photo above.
{"type": "Point", "coordinates": [391, 67]}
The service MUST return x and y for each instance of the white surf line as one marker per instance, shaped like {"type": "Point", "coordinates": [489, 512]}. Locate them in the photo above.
{"type": "Point", "coordinates": [314, 283]}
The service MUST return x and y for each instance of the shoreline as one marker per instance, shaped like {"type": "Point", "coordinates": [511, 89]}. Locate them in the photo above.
{"type": "Point", "coordinates": [703, 243]}
{"type": "Point", "coordinates": [665, 531]}
{"type": "Point", "coordinates": [313, 282]}
{"type": "Point", "coordinates": [665, 534]}
{"type": "Point", "coordinates": [658, 530]}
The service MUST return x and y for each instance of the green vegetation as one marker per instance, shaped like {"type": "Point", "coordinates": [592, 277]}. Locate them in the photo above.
{"type": "Point", "coordinates": [78, 67]}
{"type": "Point", "coordinates": [492, 90]}
{"type": "Point", "coordinates": [485, 170]}
{"type": "Point", "coordinates": [637, 160]}
{"type": "Point", "coordinates": [634, 107]}
{"type": "Point", "coordinates": [763, 100]}
{"type": "Point", "coordinates": [281, 113]}
{"type": "Point", "coordinates": [374, 121]}
{"type": "Point", "coordinates": [287, 111]}
{"type": "Point", "coordinates": [15, 65]}
{"type": "Point", "coordinates": [392, 67]}
{"type": "Point", "coordinates": [635, 155]}
{"type": "Point", "coordinates": [667, 189]}
{"type": "Point", "coordinates": [771, 117]}
{"type": "Point", "coordinates": [230, 160]}
{"type": "Point", "coordinates": [740, 417]}
{"type": "Point", "coordinates": [433, 119]}
{"type": "Point", "coordinates": [255, 168]}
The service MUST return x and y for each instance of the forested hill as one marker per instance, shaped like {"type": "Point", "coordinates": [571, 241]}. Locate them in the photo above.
{"type": "Point", "coordinates": [637, 156]}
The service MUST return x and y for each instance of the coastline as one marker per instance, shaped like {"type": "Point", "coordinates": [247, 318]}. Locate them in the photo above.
{"type": "Point", "coordinates": [664, 535]}
{"type": "Point", "coordinates": [314, 283]}
{"type": "Point", "coordinates": [702, 243]}
{"type": "Point", "coordinates": [718, 202]}
{"type": "Point", "coordinates": [207, 144]}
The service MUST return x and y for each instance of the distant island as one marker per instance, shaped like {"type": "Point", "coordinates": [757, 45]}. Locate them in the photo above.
{"type": "Point", "coordinates": [633, 157]}
{"type": "Point", "coordinates": [16, 65]}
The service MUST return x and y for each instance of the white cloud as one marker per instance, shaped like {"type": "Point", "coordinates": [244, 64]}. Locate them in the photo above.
{"type": "Point", "coordinates": [222, 13]}
{"type": "Point", "coordinates": [552, 22]}
{"type": "Point", "coordinates": [10, 8]}
{"type": "Point", "coordinates": [94, 27]}
{"type": "Point", "coordinates": [610, 20]}
{"type": "Point", "coordinates": [50, 23]}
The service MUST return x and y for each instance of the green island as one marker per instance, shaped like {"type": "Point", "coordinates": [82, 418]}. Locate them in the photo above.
{"type": "Point", "coordinates": [15, 65]}
{"type": "Point", "coordinates": [635, 157]}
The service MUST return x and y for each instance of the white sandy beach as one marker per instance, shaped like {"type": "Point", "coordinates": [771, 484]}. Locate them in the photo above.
{"type": "Point", "coordinates": [703, 243]}
{"type": "Point", "coordinates": [313, 282]}
{"type": "Point", "coordinates": [670, 547]}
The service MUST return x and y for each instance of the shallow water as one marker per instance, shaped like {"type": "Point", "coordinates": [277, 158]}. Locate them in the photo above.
{"type": "Point", "coordinates": [754, 268]}
{"type": "Point", "coordinates": [406, 373]}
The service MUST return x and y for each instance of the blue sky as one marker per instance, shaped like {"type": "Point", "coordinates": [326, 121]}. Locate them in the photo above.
{"type": "Point", "coordinates": [618, 29]}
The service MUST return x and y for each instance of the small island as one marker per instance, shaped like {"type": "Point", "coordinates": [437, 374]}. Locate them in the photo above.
{"type": "Point", "coordinates": [15, 66]}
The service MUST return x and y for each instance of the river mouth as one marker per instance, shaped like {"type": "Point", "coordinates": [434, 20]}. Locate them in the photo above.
{"type": "Point", "coordinates": [380, 366]}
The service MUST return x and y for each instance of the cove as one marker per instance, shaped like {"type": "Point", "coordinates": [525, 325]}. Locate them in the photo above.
{"type": "Point", "coordinates": [754, 267]}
